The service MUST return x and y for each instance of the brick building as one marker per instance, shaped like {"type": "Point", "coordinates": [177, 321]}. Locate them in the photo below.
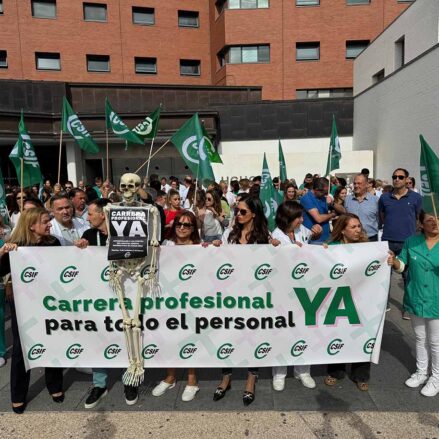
{"type": "Point", "coordinates": [291, 48]}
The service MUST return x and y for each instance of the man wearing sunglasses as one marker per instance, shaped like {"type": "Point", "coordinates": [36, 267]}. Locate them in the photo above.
{"type": "Point", "coordinates": [399, 211]}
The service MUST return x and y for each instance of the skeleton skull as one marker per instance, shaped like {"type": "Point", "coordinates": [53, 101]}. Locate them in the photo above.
{"type": "Point", "coordinates": [129, 185]}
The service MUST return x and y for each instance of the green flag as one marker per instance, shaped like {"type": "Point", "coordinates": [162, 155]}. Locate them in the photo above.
{"type": "Point", "coordinates": [24, 149]}
{"type": "Point", "coordinates": [269, 196]}
{"type": "Point", "coordinates": [191, 145]}
{"type": "Point", "coordinates": [282, 165]}
{"type": "Point", "coordinates": [3, 208]}
{"type": "Point", "coordinates": [147, 129]}
{"type": "Point", "coordinates": [429, 168]}
{"type": "Point", "coordinates": [212, 153]}
{"type": "Point", "coordinates": [334, 154]}
{"type": "Point", "coordinates": [113, 121]}
{"type": "Point", "coordinates": [71, 124]}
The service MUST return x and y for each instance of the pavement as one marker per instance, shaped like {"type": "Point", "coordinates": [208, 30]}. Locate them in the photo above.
{"type": "Point", "coordinates": [388, 409]}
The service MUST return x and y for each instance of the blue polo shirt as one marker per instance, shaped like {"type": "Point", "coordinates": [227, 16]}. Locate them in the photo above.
{"type": "Point", "coordinates": [310, 201]}
{"type": "Point", "coordinates": [366, 210]}
{"type": "Point", "coordinates": [399, 215]}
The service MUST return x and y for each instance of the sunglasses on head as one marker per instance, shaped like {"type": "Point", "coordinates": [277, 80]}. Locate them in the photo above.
{"type": "Point", "coordinates": [184, 225]}
{"type": "Point", "coordinates": [398, 177]}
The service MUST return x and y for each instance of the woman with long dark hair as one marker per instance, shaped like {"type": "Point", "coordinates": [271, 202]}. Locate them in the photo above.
{"type": "Point", "coordinates": [348, 230]}
{"type": "Point", "coordinates": [33, 229]}
{"type": "Point", "coordinates": [420, 254]}
{"type": "Point", "coordinates": [250, 228]}
{"type": "Point", "coordinates": [184, 231]}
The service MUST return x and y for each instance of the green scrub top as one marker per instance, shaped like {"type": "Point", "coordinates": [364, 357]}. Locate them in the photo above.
{"type": "Point", "coordinates": [421, 297]}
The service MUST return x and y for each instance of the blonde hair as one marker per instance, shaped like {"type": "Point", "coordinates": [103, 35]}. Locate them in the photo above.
{"type": "Point", "coordinates": [22, 233]}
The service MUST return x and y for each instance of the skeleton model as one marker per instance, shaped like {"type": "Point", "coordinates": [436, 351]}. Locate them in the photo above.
{"type": "Point", "coordinates": [143, 271]}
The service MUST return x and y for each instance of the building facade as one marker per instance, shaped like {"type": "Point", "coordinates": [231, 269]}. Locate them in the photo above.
{"type": "Point", "coordinates": [396, 82]}
{"type": "Point", "coordinates": [290, 48]}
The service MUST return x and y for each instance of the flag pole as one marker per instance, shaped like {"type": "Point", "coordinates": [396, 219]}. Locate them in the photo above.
{"type": "Point", "coordinates": [434, 209]}
{"type": "Point", "coordinates": [59, 157]}
{"type": "Point", "coordinates": [107, 158]}
{"type": "Point", "coordinates": [147, 161]}
{"type": "Point", "coordinates": [22, 183]}
{"type": "Point", "coordinates": [149, 158]}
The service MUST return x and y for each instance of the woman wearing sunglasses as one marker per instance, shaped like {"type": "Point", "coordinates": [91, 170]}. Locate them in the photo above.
{"type": "Point", "coordinates": [184, 231]}
{"type": "Point", "coordinates": [212, 217]}
{"type": "Point", "coordinates": [348, 230]}
{"type": "Point", "coordinates": [250, 228]}
{"type": "Point", "coordinates": [291, 231]}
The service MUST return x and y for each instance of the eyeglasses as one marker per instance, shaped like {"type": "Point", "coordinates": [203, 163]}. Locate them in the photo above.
{"type": "Point", "coordinates": [184, 225]}
{"type": "Point", "coordinates": [242, 212]}
{"type": "Point", "coordinates": [398, 177]}
{"type": "Point", "coordinates": [68, 187]}
{"type": "Point", "coordinates": [209, 199]}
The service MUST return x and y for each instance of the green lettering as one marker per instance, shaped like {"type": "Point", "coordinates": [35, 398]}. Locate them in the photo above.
{"type": "Point", "coordinates": [64, 305]}
{"type": "Point", "coordinates": [195, 302]}
{"type": "Point", "coordinates": [145, 304]}
{"type": "Point", "coordinates": [343, 294]}
{"type": "Point", "coordinates": [113, 301]}
{"type": "Point", "coordinates": [100, 304]}
{"type": "Point", "coordinates": [269, 303]}
{"type": "Point", "coordinates": [128, 304]}
{"type": "Point", "coordinates": [311, 306]}
{"type": "Point", "coordinates": [47, 305]}
{"type": "Point", "coordinates": [258, 303]}
{"type": "Point", "coordinates": [209, 302]}
{"type": "Point", "coordinates": [244, 302]}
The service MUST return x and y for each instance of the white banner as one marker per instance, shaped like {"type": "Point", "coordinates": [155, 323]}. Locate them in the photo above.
{"type": "Point", "coordinates": [233, 306]}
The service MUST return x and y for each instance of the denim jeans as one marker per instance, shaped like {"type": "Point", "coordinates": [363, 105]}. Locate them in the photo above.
{"type": "Point", "coordinates": [100, 377]}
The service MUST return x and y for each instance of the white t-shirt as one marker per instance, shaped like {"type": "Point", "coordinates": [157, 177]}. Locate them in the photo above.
{"type": "Point", "coordinates": [302, 234]}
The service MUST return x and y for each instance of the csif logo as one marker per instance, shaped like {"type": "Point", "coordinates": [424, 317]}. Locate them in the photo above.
{"type": "Point", "coordinates": [224, 271]}
{"type": "Point", "coordinates": [369, 345]}
{"type": "Point", "coordinates": [74, 351]}
{"type": "Point", "coordinates": [36, 351]}
{"type": "Point", "coordinates": [187, 351]}
{"type": "Point", "coordinates": [337, 271]}
{"type": "Point", "coordinates": [335, 346]}
{"type": "Point", "coordinates": [372, 268]}
{"type": "Point", "coordinates": [299, 270]}
{"type": "Point", "coordinates": [187, 271]}
{"type": "Point", "coordinates": [150, 351]}
{"type": "Point", "coordinates": [28, 275]}
{"type": "Point", "coordinates": [262, 350]}
{"type": "Point", "coordinates": [68, 274]}
{"type": "Point", "coordinates": [298, 348]}
{"type": "Point", "coordinates": [263, 271]}
{"type": "Point", "coordinates": [105, 274]}
{"type": "Point", "coordinates": [112, 351]}
{"type": "Point", "coordinates": [224, 351]}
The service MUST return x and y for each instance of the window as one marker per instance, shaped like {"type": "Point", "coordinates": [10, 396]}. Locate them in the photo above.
{"type": "Point", "coordinates": [144, 16]}
{"type": "Point", "coordinates": [3, 59]}
{"type": "Point", "coordinates": [190, 67]}
{"type": "Point", "coordinates": [98, 63]}
{"type": "Point", "coordinates": [47, 61]}
{"type": "Point", "coordinates": [188, 19]}
{"type": "Point", "coordinates": [44, 8]}
{"type": "Point", "coordinates": [145, 65]}
{"type": "Point", "coordinates": [354, 48]}
{"type": "Point", "coordinates": [1, 7]}
{"type": "Point", "coordinates": [307, 51]}
{"type": "Point", "coordinates": [245, 54]}
{"type": "Point", "coordinates": [324, 93]}
{"type": "Point", "coordinates": [246, 4]}
{"type": "Point", "coordinates": [399, 53]}
{"type": "Point", "coordinates": [95, 12]}
{"type": "Point", "coordinates": [357, 2]}
{"type": "Point", "coordinates": [378, 77]}
{"type": "Point", "coordinates": [307, 2]}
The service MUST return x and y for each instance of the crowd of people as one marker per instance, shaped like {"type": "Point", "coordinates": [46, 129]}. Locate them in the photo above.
{"type": "Point", "coordinates": [316, 212]}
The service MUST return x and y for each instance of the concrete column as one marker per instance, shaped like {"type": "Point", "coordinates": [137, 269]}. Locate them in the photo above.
{"type": "Point", "coordinates": [75, 165]}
